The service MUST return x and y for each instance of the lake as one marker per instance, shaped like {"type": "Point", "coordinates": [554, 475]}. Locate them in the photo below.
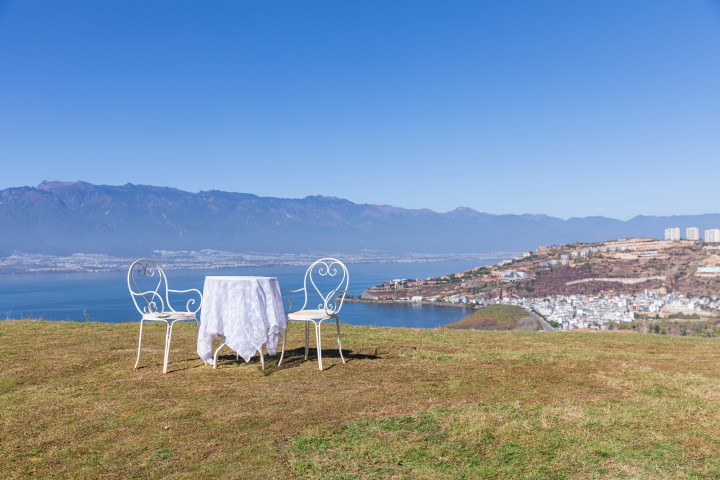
{"type": "Point", "coordinates": [105, 298]}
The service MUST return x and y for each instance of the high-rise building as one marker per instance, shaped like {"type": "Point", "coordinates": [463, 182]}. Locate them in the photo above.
{"type": "Point", "coordinates": [712, 235]}
{"type": "Point", "coordinates": [672, 233]}
{"type": "Point", "coordinates": [692, 233]}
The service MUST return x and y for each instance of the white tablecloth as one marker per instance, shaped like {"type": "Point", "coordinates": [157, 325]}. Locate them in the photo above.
{"type": "Point", "coordinates": [246, 311]}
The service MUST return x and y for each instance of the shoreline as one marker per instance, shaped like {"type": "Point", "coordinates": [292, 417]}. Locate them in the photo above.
{"type": "Point", "coordinates": [25, 263]}
{"type": "Point", "coordinates": [424, 302]}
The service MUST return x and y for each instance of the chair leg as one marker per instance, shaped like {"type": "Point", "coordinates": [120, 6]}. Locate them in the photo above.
{"type": "Point", "coordinates": [319, 344]}
{"type": "Point", "coordinates": [337, 324]}
{"type": "Point", "coordinates": [137, 361]}
{"type": "Point", "coordinates": [262, 359]}
{"type": "Point", "coordinates": [282, 352]}
{"type": "Point", "coordinates": [307, 338]}
{"type": "Point", "coordinates": [168, 336]}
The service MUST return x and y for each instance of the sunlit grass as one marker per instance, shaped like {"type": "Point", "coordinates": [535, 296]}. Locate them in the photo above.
{"type": "Point", "coordinates": [408, 404]}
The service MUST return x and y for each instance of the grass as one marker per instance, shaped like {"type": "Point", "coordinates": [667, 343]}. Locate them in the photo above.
{"type": "Point", "coordinates": [498, 317]}
{"type": "Point", "coordinates": [409, 403]}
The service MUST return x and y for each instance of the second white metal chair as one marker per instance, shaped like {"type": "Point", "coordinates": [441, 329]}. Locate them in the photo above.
{"type": "Point", "coordinates": [323, 272]}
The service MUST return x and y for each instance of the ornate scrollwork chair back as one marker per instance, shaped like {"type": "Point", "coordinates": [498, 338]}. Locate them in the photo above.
{"type": "Point", "coordinates": [151, 295]}
{"type": "Point", "coordinates": [325, 286]}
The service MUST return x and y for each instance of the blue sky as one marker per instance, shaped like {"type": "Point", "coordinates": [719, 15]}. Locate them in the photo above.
{"type": "Point", "coordinates": [569, 108]}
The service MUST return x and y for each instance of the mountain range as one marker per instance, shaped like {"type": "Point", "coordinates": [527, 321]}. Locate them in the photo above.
{"type": "Point", "coordinates": [61, 218]}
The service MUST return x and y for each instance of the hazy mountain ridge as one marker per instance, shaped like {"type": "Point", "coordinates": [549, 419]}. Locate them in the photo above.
{"type": "Point", "coordinates": [69, 217]}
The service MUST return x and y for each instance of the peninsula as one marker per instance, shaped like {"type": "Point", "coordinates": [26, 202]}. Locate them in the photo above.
{"type": "Point", "coordinates": [582, 285]}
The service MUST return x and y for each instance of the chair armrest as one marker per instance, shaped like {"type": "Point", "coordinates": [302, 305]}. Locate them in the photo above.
{"type": "Point", "coordinates": [330, 294]}
{"type": "Point", "coordinates": [191, 301]}
{"type": "Point", "coordinates": [288, 300]}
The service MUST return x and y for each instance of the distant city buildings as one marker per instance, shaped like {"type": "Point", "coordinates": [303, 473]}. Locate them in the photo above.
{"type": "Point", "coordinates": [692, 233]}
{"type": "Point", "coordinates": [672, 234]}
{"type": "Point", "coordinates": [712, 235]}
{"type": "Point", "coordinates": [568, 312]}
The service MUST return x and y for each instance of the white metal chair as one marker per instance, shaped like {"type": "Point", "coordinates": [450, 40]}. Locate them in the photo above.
{"type": "Point", "coordinates": [149, 290]}
{"type": "Point", "coordinates": [326, 281]}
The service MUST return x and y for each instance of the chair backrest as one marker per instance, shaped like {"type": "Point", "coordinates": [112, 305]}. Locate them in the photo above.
{"type": "Point", "coordinates": [149, 289]}
{"type": "Point", "coordinates": [326, 281]}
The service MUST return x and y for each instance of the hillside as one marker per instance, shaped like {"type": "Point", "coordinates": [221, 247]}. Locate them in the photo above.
{"type": "Point", "coordinates": [421, 404]}
{"type": "Point", "coordinates": [625, 266]}
{"type": "Point", "coordinates": [498, 317]}
{"type": "Point", "coordinates": [62, 218]}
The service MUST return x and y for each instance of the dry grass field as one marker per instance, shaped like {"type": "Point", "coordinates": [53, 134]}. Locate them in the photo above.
{"type": "Point", "coordinates": [415, 404]}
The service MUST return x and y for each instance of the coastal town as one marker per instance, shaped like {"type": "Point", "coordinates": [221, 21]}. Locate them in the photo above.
{"type": "Point", "coordinates": [595, 286]}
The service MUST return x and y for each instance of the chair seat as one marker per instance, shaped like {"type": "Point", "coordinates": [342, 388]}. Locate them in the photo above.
{"type": "Point", "coordinates": [169, 316]}
{"type": "Point", "coordinates": [308, 315]}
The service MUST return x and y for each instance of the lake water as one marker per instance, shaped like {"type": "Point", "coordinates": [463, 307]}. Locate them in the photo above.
{"type": "Point", "coordinates": [105, 298]}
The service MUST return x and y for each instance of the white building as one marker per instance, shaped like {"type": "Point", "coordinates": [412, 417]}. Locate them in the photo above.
{"type": "Point", "coordinates": [512, 275]}
{"type": "Point", "coordinates": [692, 233]}
{"type": "Point", "coordinates": [708, 271]}
{"type": "Point", "coordinates": [712, 235]}
{"type": "Point", "coordinates": [672, 233]}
